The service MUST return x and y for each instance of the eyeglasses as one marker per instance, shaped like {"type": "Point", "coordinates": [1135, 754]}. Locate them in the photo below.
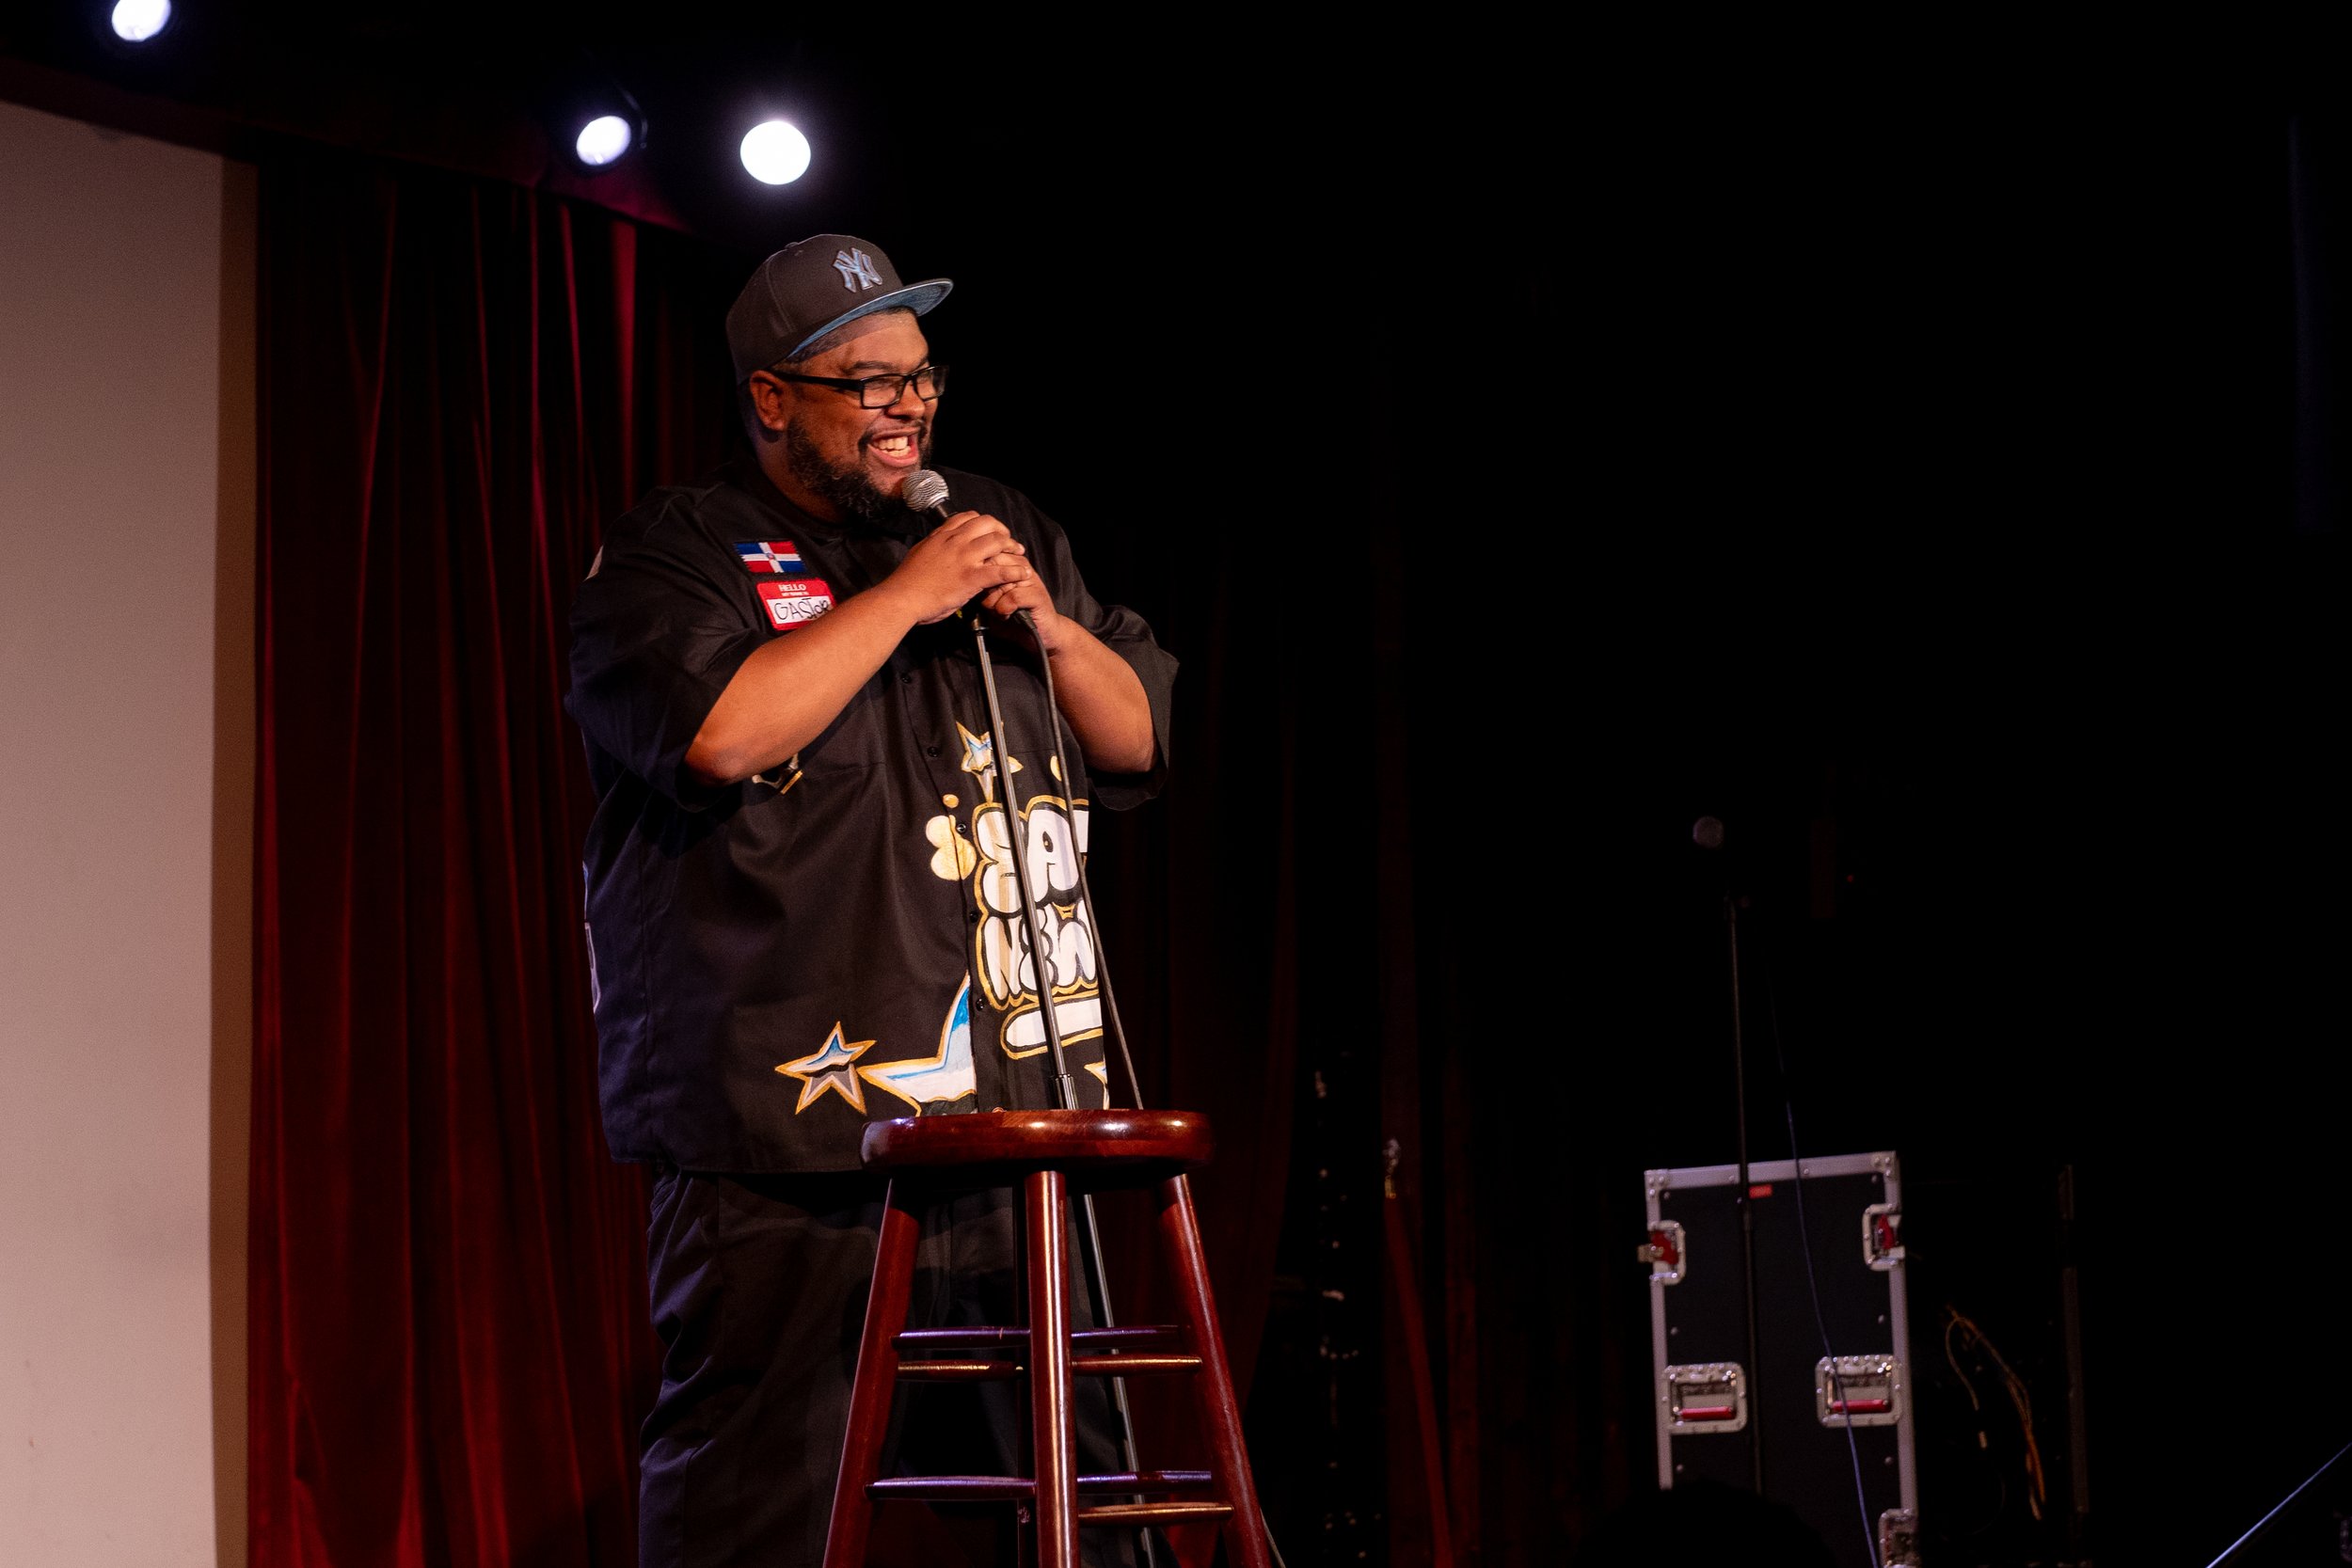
{"type": "Point", "coordinates": [879, 391]}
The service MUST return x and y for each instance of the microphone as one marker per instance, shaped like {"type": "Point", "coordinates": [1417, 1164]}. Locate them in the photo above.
{"type": "Point", "coordinates": [925, 491]}
{"type": "Point", "coordinates": [1708, 832]}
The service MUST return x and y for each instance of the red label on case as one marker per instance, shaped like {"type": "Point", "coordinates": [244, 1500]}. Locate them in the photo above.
{"type": "Point", "coordinates": [795, 601]}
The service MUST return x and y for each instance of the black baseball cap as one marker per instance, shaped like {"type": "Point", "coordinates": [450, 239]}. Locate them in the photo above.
{"type": "Point", "coordinates": [807, 289]}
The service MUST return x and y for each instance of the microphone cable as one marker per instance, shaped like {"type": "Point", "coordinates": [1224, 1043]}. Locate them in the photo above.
{"type": "Point", "coordinates": [1812, 1278]}
{"type": "Point", "coordinates": [1114, 1028]}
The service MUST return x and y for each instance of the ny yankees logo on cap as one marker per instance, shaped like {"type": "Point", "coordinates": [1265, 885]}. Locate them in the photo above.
{"type": "Point", "coordinates": [856, 269]}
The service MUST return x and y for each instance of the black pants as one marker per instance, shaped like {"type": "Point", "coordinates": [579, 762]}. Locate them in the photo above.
{"type": "Point", "coordinates": [758, 1287]}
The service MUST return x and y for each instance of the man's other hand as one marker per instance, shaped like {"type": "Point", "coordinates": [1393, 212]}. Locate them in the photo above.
{"type": "Point", "coordinates": [1053, 632]}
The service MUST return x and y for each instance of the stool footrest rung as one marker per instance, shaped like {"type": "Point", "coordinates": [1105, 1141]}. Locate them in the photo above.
{"type": "Point", "coordinates": [983, 1371]}
{"type": "Point", "coordinates": [1154, 1514]}
{"type": "Point", "coordinates": [951, 1489]}
{"type": "Point", "coordinates": [1147, 1480]}
{"type": "Point", "coordinates": [957, 1371]}
{"type": "Point", "coordinates": [985, 1488]}
{"type": "Point", "coordinates": [1139, 1337]}
{"type": "Point", "coordinates": [1133, 1366]}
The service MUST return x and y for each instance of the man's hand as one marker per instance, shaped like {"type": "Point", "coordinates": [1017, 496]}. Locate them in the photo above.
{"type": "Point", "coordinates": [1100, 693]}
{"type": "Point", "coordinates": [968, 555]}
{"type": "Point", "coordinates": [1054, 634]}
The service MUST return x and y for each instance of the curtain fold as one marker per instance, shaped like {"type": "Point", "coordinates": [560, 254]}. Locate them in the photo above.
{"type": "Point", "coordinates": [448, 1333]}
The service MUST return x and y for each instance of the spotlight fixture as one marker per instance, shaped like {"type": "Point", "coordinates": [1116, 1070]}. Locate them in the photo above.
{"type": "Point", "coordinates": [603, 140]}
{"type": "Point", "coordinates": [775, 152]}
{"type": "Point", "coordinates": [592, 116]}
{"type": "Point", "coordinates": [137, 21]}
{"type": "Point", "coordinates": [601, 124]}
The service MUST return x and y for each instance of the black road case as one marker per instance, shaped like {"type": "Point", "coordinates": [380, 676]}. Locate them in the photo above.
{"type": "Point", "coordinates": [1806, 1399]}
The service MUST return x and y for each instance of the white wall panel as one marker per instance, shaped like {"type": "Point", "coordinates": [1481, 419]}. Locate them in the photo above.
{"type": "Point", "coordinates": [111, 485]}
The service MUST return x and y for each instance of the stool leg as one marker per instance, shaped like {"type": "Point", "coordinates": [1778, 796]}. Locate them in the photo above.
{"type": "Point", "coordinates": [877, 1381]}
{"type": "Point", "coordinates": [1221, 1419]}
{"type": "Point", "coordinates": [1052, 1437]}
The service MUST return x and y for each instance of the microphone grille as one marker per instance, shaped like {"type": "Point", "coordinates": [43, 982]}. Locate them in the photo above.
{"type": "Point", "coordinates": [922, 491]}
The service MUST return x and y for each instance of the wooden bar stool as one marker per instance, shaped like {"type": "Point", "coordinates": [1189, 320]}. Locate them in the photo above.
{"type": "Point", "coordinates": [1048, 1154]}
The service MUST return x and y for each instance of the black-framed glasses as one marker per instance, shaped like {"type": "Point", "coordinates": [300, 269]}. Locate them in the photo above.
{"type": "Point", "coordinates": [879, 391]}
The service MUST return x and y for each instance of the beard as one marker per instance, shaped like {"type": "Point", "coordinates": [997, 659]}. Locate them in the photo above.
{"type": "Point", "coordinates": [848, 486]}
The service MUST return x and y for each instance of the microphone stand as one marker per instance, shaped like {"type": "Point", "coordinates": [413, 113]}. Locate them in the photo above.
{"type": "Point", "coordinates": [1747, 1203]}
{"type": "Point", "coordinates": [1708, 834]}
{"type": "Point", "coordinates": [1065, 1097]}
{"type": "Point", "coordinates": [1017, 834]}
{"type": "Point", "coordinates": [1116, 1029]}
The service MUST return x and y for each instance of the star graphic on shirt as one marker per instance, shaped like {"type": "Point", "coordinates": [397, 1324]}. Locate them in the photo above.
{"type": "Point", "coordinates": [979, 760]}
{"type": "Point", "coordinates": [944, 1076]}
{"type": "Point", "coordinates": [829, 1067]}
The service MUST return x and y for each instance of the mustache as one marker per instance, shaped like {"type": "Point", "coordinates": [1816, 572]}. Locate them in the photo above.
{"type": "Point", "coordinates": [846, 483]}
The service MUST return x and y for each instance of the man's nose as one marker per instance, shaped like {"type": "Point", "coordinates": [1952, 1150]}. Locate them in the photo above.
{"type": "Point", "coordinates": [906, 394]}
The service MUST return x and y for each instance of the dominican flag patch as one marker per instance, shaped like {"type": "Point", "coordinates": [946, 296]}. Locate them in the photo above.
{"type": "Point", "coordinates": [795, 601]}
{"type": "Point", "coordinates": [770, 555]}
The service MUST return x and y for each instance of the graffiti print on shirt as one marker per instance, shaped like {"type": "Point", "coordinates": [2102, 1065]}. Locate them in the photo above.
{"type": "Point", "coordinates": [980, 851]}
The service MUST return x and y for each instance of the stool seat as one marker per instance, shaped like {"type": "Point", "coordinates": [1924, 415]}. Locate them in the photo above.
{"type": "Point", "coordinates": [1095, 1147]}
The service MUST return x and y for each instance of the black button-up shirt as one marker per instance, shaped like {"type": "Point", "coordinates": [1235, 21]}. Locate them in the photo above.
{"type": "Point", "coordinates": [777, 961]}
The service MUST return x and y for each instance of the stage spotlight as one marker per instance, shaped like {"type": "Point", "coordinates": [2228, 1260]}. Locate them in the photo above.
{"type": "Point", "coordinates": [603, 139]}
{"type": "Point", "coordinates": [137, 21]}
{"type": "Point", "coordinates": [775, 152]}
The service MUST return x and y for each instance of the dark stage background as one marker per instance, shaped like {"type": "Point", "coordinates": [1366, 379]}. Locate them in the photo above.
{"type": "Point", "coordinates": [1936, 481]}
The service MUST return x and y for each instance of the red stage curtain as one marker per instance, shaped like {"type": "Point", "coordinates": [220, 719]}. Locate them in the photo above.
{"type": "Point", "coordinates": [461, 381]}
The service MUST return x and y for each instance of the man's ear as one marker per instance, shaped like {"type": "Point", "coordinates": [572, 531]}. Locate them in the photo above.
{"type": "Point", "coordinates": [771, 400]}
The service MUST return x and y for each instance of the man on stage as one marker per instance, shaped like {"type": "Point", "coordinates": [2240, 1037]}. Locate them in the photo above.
{"type": "Point", "coordinates": [801, 908]}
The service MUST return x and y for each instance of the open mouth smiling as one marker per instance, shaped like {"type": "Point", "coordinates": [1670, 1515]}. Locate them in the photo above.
{"type": "Point", "coordinates": [898, 449]}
